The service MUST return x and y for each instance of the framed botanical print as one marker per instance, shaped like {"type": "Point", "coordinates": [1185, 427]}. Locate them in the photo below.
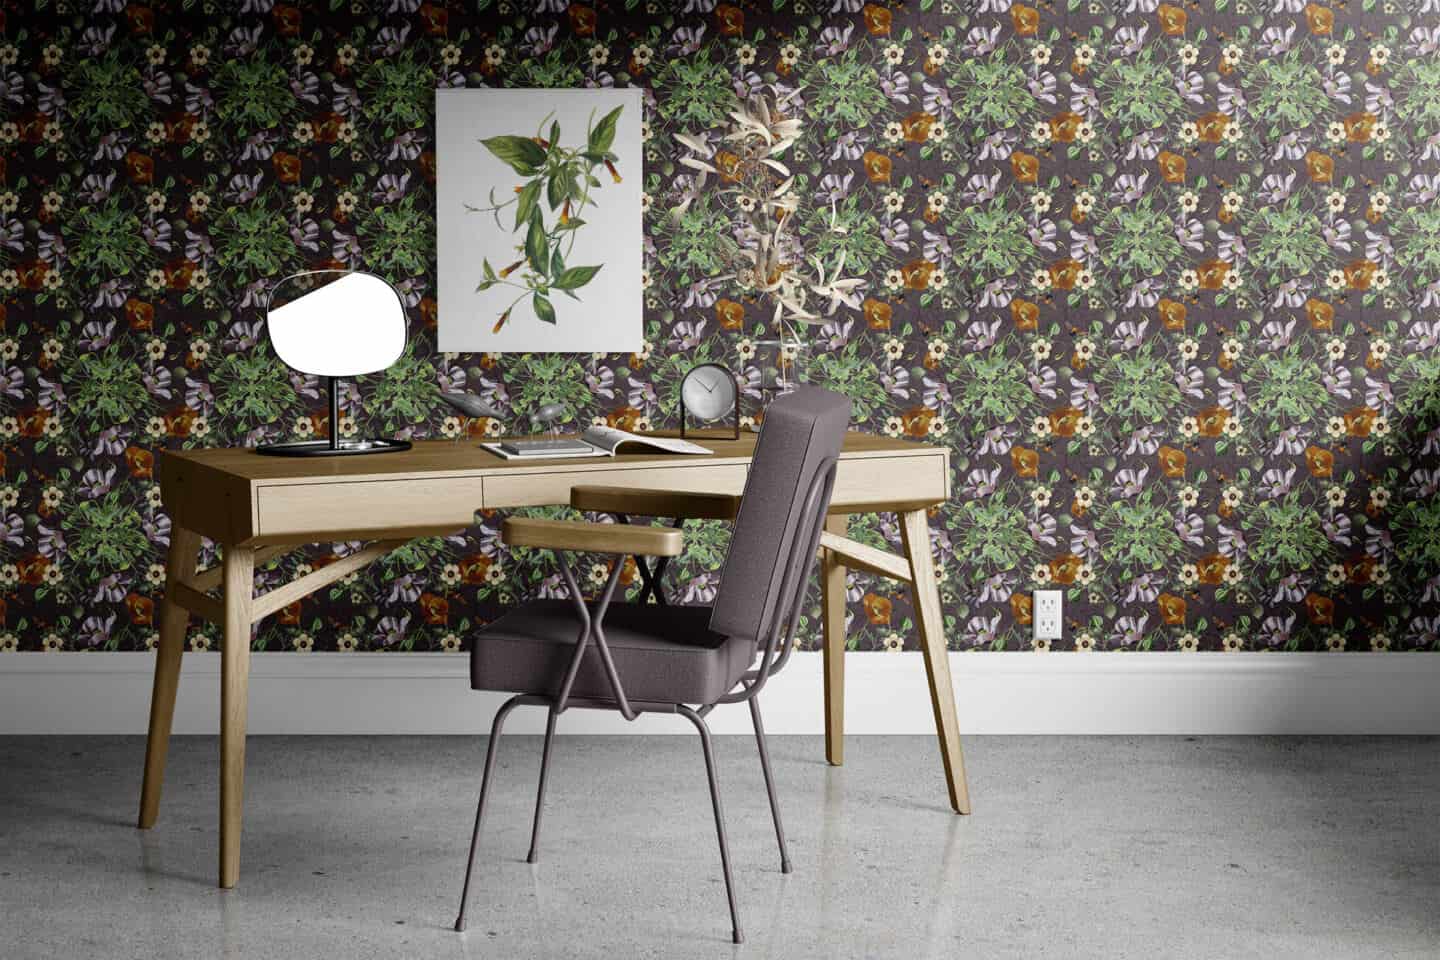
{"type": "Point", "coordinates": [539, 220]}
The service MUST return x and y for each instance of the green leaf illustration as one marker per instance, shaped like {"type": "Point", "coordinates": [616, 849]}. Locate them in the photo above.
{"type": "Point", "coordinates": [604, 133]}
{"type": "Point", "coordinates": [526, 203]}
{"type": "Point", "coordinates": [543, 309]}
{"type": "Point", "coordinates": [575, 277]}
{"type": "Point", "coordinates": [536, 247]}
{"type": "Point", "coordinates": [490, 278]}
{"type": "Point", "coordinates": [521, 153]}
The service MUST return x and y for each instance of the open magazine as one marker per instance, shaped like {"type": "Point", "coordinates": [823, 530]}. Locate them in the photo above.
{"type": "Point", "coordinates": [594, 442]}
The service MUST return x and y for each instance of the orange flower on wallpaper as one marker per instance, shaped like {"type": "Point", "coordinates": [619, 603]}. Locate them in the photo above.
{"type": "Point", "coordinates": [1064, 127]}
{"type": "Point", "coordinates": [916, 421]}
{"type": "Point", "coordinates": [1360, 421]}
{"type": "Point", "coordinates": [1212, 274]}
{"type": "Point", "coordinates": [1211, 421]}
{"type": "Point", "coordinates": [1172, 20]}
{"type": "Point", "coordinates": [1359, 569]}
{"type": "Point", "coordinates": [917, 274]}
{"type": "Point", "coordinates": [1172, 167]}
{"type": "Point", "coordinates": [1172, 609]}
{"type": "Point", "coordinates": [877, 313]}
{"type": "Point", "coordinates": [1172, 314]}
{"type": "Point", "coordinates": [1211, 127]}
{"type": "Point", "coordinates": [1064, 274]}
{"type": "Point", "coordinates": [1172, 462]}
{"type": "Point", "coordinates": [1025, 314]}
{"type": "Point", "coordinates": [435, 609]}
{"type": "Point", "coordinates": [731, 20]}
{"type": "Point", "coordinates": [1064, 420]}
{"type": "Point", "coordinates": [1025, 20]}
{"type": "Point", "coordinates": [289, 615]}
{"type": "Point", "coordinates": [32, 570]}
{"type": "Point", "coordinates": [141, 609]}
{"type": "Point", "coordinates": [140, 463]}
{"type": "Point", "coordinates": [916, 127]}
{"type": "Point", "coordinates": [474, 568]}
{"type": "Point", "coordinates": [1025, 461]}
{"type": "Point", "coordinates": [1320, 166]}
{"type": "Point", "coordinates": [139, 314]}
{"type": "Point", "coordinates": [1021, 608]}
{"type": "Point", "coordinates": [1319, 610]}
{"type": "Point", "coordinates": [1320, 314]}
{"type": "Point", "coordinates": [435, 19]}
{"type": "Point", "coordinates": [1065, 568]}
{"type": "Point", "coordinates": [582, 20]}
{"type": "Point", "coordinates": [629, 573]}
{"type": "Point", "coordinates": [1319, 461]}
{"type": "Point", "coordinates": [877, 609]}
{"type": "Point", "coordinates": [1320, 20]}
{"type": "Point", "coordinates": [727, 165]}
{"type": "Point", "coordinates": [1359, 127]}
{"type": "Point", "coordinates": [139, 167]}
{"type": "Point", "coordinates": [877, 166]}
{"type": "Point", "coordinates": [1024, 166]}
{"type": "Point", "coordinates": [1211, 568]}
{"type": "Point", "coordinates": [1359, 274]}
{"type": "Point", "coordinates": [623, 418]}
{"type": "Point", "coordinates": [877, 19]}
{"type": "Point", "coordinates": [729, 314]}
{"type": "Point", "coordinates": [287, 167]}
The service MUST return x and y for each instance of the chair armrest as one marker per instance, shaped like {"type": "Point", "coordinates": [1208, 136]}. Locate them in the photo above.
{"type": "Point", "coordinates": [680, 504]}
{"type": "Point", "coordinates": [616, 538]}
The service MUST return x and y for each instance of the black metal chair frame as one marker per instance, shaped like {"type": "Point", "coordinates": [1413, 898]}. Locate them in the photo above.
{"type": "Point", "coordinates": [776, 654]}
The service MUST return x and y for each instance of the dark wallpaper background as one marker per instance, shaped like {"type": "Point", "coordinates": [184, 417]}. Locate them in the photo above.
{"type": "Point", "coordinates": [1164, 276]}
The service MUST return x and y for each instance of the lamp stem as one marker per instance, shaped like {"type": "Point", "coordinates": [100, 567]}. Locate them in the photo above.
{"type": "Point", "coordinates": [334, 414]}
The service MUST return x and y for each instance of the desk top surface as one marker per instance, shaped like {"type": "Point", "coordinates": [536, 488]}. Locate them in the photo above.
{"type": "Point", "coordinates": [467, 457]}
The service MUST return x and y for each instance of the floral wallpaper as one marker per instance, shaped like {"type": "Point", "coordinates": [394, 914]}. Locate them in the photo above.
{"type": "Point", "coordinates": [1164, 276]}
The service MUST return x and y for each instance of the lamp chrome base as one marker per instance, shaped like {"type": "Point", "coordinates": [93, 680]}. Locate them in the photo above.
{"type": "Point", "coordinates": [322, 448]}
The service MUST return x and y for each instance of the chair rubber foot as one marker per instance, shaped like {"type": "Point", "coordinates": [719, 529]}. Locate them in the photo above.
{"type": "Point", "coordinates": [460, 925]}
{"type": "Point", "coordinates": [785, 867]}
{"type": "Point", "coordinates": [736, 936]}
{"type": "Point", "coordinates": [532, 857]}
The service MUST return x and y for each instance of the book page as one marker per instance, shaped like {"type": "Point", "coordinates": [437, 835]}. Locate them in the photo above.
{"type": "Point", "coordinates": [610, 440]}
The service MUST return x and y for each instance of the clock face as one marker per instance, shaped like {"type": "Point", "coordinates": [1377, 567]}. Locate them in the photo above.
{"type": "Point", "coordinates": [709, 392]}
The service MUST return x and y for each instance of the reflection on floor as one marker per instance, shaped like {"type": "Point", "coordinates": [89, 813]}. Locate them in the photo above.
{"type": "Point", "coordinates": [1078, 847]}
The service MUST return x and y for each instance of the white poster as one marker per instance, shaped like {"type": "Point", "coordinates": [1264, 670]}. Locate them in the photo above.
{"type": "Point", "coordinates": [538, 220]}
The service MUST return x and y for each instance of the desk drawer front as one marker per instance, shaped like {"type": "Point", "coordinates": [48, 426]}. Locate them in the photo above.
{"type": "Point", "coordinates": [369, 505]}
{"type": "Point", "coordinates": [541, 489]}
{"type": "Point", "coordinates": [877, 480]}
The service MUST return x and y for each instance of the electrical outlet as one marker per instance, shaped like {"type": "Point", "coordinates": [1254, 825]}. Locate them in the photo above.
{"type": "Point", "coordinates": [1045, 614]}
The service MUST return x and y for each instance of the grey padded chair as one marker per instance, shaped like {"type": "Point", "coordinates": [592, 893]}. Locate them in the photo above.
{"type": "Point", "coordinates": [655, 658]}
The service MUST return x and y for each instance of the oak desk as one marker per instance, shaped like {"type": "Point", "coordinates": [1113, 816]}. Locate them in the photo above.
{"type": "Point", "coordinates": [256, 507]}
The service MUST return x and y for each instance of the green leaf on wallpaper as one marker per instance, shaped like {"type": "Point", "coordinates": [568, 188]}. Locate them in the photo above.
{"type": "Point", "coordinates": [544, 310]}
{"type": "Point", "coordinates": [521, 153]}
{"type": "Point", "coordinates": [576, 277]}
{"type": "Point", "coordinates": [490, 278]}
{"type": "Point", "coordinates": [557, 262]}
{"type": "Point", "coordinates": [603, 135]}
{"type": "Point", "coordinates": [536, 248]}
{"type": "Point", "coordinates": [525, 205]}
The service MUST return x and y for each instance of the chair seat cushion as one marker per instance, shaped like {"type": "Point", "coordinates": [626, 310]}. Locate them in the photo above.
{"type": "Point", "coordinates": [664, 654]}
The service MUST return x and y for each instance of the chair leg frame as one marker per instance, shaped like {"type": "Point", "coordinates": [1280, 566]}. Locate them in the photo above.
{"type": "Point", "coordinates": [718, 808]}
{"type": "Point", "coordinates": [762, 742]}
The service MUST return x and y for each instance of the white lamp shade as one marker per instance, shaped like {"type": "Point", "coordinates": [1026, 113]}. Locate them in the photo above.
{"type": "Point", "coordinates": [331, 323]}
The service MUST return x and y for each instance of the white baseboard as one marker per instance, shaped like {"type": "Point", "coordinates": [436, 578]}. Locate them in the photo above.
{"type": "Point", "coordinates": [997, 693]}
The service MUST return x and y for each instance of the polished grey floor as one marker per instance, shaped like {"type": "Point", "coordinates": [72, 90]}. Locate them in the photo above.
{"type": "Point", "coordinates": [1078, 847]}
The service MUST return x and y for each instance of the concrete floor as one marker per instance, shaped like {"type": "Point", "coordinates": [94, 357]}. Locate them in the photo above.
{"type": "Point", "coordinates": [1078, 847]}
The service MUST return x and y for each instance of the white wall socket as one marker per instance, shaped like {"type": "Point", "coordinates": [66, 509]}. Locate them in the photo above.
{"type": "Point", "coordinates": [1045, 614]}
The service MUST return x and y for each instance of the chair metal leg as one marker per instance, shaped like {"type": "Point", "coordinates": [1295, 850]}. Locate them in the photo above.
{"type": "Point", "coordinates": [762, 743]}
{"type": "Point", "coordinates": [705, 745]}
{"type": "Point", "coordinates": [500, 716]}
{"type": "Point", "coordinates": [533, 855]}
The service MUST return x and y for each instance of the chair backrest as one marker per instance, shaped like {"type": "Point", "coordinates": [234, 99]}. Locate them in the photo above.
{"type": "Point", "coordinates": [772, 547]}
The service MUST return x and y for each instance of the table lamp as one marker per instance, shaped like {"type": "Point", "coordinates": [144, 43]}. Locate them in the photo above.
{"type": "Point", "coordinates": [335, 324]}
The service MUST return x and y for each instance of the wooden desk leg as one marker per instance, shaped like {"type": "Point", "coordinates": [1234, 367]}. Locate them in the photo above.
{"type": "Point", "coordinates": [234, 685]}
{"type": "Point", "coordinates": [832, 590]}
{"type": "Point", "coordinates": [184, 552]}
{"type": "Point", "coordinates": [915, 528]}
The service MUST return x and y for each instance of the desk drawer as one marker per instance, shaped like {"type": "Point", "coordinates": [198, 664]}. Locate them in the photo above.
{"type": "Point", "coordinates": [369, 505]}
{"type": "Point", "coordinates": [541, 489]}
